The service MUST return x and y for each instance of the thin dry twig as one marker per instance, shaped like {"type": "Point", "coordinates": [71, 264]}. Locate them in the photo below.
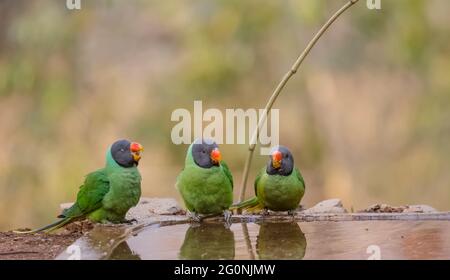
{"type": "Point", "coordinates": [280, 87]}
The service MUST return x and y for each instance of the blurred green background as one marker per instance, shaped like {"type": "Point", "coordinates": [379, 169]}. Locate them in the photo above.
{"type": "Point", "coordinates": [367, 116]}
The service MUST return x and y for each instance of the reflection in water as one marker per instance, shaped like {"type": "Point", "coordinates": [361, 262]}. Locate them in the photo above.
{"type": "Point", "coordinates": [208, 241]}
{"type": "Point", "coordinates": [123, 252]}
{"type": "Point", "coordinates": [280, 241]}
{"type": "Point", "coordinates": [325, 240]}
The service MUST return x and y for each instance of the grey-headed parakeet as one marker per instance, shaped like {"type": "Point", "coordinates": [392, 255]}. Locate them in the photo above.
{"type": "Point", "coordinates": [279, 186]}
{"type": "Point", "coordinates": [205, 183]}
{"type": "Point", "coordinates": [108, 193]}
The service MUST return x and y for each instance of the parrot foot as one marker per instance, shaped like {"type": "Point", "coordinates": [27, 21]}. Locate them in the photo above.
{"type": "Point", "coordinates": [265, 212]}
{"type": "Point", "coordinates": [195, 217]}
{"type": "Point", "coordinates": [227, 215]}
{"type": "Point", "coordinates": [292, 213]}
{"type": "Point", "coordinates": [130, 221]}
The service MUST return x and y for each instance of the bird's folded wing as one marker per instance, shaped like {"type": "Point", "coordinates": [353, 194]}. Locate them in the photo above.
{"type": "Point", "coordinates": [300, 177]}
{"type": "Point", "coordinates": [227, 172]}
{"type": "Point", "coordinates": [92, 192]}
{"type": "Point", "coordinates": [258, 177]}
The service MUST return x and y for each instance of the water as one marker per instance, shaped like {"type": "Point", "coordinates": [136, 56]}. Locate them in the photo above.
{"type": "Point", "coordinates": [290, 240]}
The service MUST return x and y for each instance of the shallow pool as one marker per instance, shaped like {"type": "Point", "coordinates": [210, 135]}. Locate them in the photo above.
{"type": "Point", "coordinates": [291, 240]}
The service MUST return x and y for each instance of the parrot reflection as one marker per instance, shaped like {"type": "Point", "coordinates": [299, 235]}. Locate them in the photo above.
{"type": "Point", "coordinates": [277, 241]}
{"type": "Point", "coordinates": [208, 241]}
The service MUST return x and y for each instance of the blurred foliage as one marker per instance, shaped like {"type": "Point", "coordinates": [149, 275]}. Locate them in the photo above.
{"type": "Point", "coordinates": [366, 117]}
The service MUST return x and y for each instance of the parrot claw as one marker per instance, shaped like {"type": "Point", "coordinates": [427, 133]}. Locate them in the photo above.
{"type": "Point", "coordinates": [265, 212]}
{"type": "Point", "coordinates": [292, 213]}
{"type": "Point", "coordinates": [130, 221]}
{"type": "Point", "coordinates": [194, 217]}
{"type": "Point", "coordinates": [227, 215]}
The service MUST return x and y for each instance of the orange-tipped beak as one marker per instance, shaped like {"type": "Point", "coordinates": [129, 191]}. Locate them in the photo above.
{"type": "Point", "coordinates": [277, 156]}
{"type": "Point", "coordinates": [136, 150]}
{"type": "Point", "coordinates": [216, 157]}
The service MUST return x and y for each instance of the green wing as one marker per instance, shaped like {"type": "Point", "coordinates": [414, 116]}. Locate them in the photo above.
{"type": "Point", "coordinates": [300, 177]}
{"type": "Point", "coordinates": [227, 172]}
{"type": "Point", "coordinates": [258, 177]}
{"type": "Point", "coordinates": [90, 195]}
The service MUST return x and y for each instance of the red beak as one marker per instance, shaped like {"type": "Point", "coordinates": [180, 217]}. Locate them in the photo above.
{"type": "Point", "coordinates": [216, 157]}
{"type": "Point", "coordinates": [277, 156]}
{"type": "Point", "coordinates": [136, 147]}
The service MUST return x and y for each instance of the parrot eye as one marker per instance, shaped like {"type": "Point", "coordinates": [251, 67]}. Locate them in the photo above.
{"type": "Point", "coordinates": [204, 151]}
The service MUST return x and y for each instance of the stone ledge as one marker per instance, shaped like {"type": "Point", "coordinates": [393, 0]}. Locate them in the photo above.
{"type": "Point", "coordinates": [100, 242]}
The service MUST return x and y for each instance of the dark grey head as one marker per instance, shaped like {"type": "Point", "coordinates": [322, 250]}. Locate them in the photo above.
{"type": "Point", "coordinates": [125, 153]}
{"type": "Point", "coordinates": [281, 162]}
{"type": "Point", "coordinates": [206, 153]}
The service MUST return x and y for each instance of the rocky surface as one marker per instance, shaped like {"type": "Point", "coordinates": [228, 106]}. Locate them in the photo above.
{"type": "Point", "coordinates": [419, 209]}
{"type": "Point", "coordinates": [156, 206]}
{"type": "Point", "coordinates": [327, 206]}
{"type": "Point", "coordinates": [148, 208]}
{"type": "Point", "coordinates": [385, 208]}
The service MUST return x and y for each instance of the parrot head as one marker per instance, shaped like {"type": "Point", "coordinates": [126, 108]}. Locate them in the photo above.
{"type": "Point", "coordinates": [281, 162]}
{"type": "Point", "coordinates": [206, 153]}
{"type": "Point", "coordinates": [126, 153]}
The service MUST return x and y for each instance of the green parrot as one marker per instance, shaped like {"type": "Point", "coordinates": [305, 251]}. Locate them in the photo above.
{"type": "Point", "coordinates": [108, 193]}
{"type": "Point", "coordinates": [278, 187]}
{"type": "Point", "coordinates": [208, 241]}
{"type": "Point", "coordinates": [205, 183]}
{"type": "Point", "coordinates": [280, 241]}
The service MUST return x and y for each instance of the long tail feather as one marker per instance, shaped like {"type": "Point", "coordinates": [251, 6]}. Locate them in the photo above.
{"type": "Point", "coordinates": [51, 227]}
{"type": "Point", "coordinates": [249, 203]}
